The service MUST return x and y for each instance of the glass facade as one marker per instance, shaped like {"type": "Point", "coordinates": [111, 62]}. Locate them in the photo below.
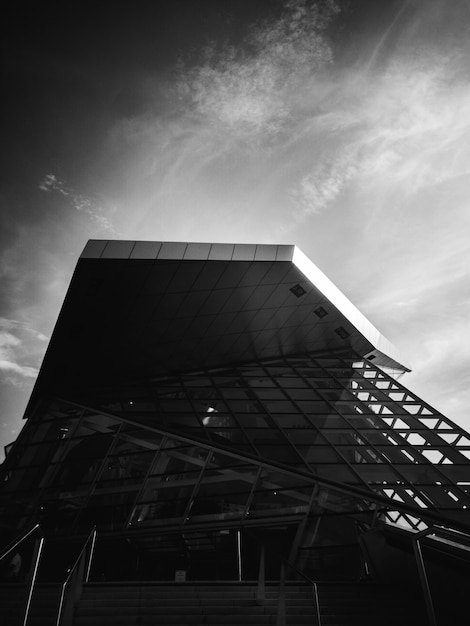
{"type": "Point", "coordinates": [260, 444]}
{"type": "Point", "coordinates": [197, 403]}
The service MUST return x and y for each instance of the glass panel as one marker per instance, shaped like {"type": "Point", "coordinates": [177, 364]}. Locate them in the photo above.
{"type": "Point", "coordinates": [270, 394]}
{"type": "Point", "coordinates": [260, 382]}
{"type": "Point", "coordinates": [314, 407]}
{"type": "Point", "coordinates": [291, 382]}
{"type": "Point", "coordinates": [292, 421]}
{"type": "Point", "coordinates": [235, 393]}
{"type": "Point", "coordinates": [279, 407]}
{"type": "Point", "coordinates": [302, 394]}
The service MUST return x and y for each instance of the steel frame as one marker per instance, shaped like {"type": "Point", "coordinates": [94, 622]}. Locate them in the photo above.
{"type": "Point", "coordinates": [253, 441]}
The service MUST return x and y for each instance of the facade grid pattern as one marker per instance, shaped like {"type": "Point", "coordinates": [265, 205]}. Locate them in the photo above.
{"type": "Point", "coordinates": [259, 443]}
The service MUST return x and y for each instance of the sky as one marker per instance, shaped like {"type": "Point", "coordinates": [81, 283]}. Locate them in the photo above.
{"type": "Point", "coordinates": [342, 127]}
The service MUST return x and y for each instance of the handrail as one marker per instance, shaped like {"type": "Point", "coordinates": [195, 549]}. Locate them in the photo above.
{"type": "Point", "coordinates": [34, 564]}
{"type": "Point", "coordinates": [311, 582]}
{"type": "Point", "coordinates": [314, 585]}
{"type": "Point", "coordinates": [432, 530]}
{"type": "Point", "coordinates": [17, 542]}
{"type": "Point", "coordinates": [317, 603]}
{"type": "Point", "coordinates": [92, 550]}
{"type": "Point", "coordinates": [65, 603]}
{"type": "Point", "coordinates": [281, 603]}
{"type": "Point", "coordinates": [445, 533]}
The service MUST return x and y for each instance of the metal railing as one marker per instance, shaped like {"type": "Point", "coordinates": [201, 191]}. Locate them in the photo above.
{"type": "Point", "coordinates": [457, 538]}
{"type": "Point", "coordinates": [281, 605]}
{"type": "Point", "coordinates": [33, 571]}
{"type": "Point", "coordinates": [71, 589]}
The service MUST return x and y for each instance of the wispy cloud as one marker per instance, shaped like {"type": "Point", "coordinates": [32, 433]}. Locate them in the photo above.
{"type": "Point", "coordinates": [318, 189]}
{"type": "Point", "coordinates": [405, 129]}
{"type": "Point", "coordinates": [96, 212]}
{"type": "Point", "coordinates": [20, 349]}
{"type": "Point", "coordinates": [361, 157]}
{"type": "Point", "coordinates": [277, 103]}
{"type": "Point", "coordinates": [24, 327]}
{"type": "Point", "coordinates": [209, 164]}
{"type": "Point", "coordinates": [363, 162]}
{"type": "Point", "coordinates": [248, 89]}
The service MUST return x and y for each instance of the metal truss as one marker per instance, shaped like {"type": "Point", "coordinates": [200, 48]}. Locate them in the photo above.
{"type": "Point", "coordinates": [259, 443]}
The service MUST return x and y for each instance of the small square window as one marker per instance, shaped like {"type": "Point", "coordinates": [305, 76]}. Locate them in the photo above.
{"type": "Point", "coordinates": [320, 312]}
{"type": "Point", "coordinates": [342, 332]}
{"type": "Point", "coordinates": [298, 290]}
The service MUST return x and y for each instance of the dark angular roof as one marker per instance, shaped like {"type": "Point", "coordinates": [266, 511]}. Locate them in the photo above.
{"type": "Point", "coordinates": [139, 309]}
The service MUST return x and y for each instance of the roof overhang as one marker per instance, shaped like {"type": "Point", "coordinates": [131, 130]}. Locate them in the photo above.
{"type": "Point", "coordinates": [140, 309]}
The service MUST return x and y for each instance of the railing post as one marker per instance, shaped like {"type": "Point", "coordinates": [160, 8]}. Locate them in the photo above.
{"type": "Point", "coordinates": [260, 590]}
{"type": "Point", "coordinates": [78, 582]}
{"type": "Point", "coordinates": [75, 592]}
{"type": "Point", "coordinates": [281, 603]}
{"type": "Point", "coordinates": [369, 564]}
{"type": "Point", "coordinates": [32, 576]}
{"type": "Point", "coordinates": [67, 615]}
{"type": "Point", "coordinates": [424, 581]}
{"type": "Point", "coordinates": [239, 555]}
{"type": "Point", "coordinates": [73, 585]}
{"type": "Point", "coordinates": [90, 558]}
{"type": "Point", "coordinates": [316, 601]}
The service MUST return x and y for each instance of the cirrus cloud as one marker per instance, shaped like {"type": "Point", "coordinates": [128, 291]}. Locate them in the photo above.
{"type": "Point", "coordinates": [97, 214]}
{"type": "Point", "coordinates": [21, 348]}
{"type": "Point", "coordinates": [248, 89]}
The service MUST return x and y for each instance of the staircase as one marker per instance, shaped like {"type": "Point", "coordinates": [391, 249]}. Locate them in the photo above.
{"type": "Point", "coordinates": [11, 601]}
{"type": "Point", "coordinates": [231, 604]}
{"type": "Point", "coordinates": [360, 604]}
{"type": "Point", "coordinates": [162, 605]}
{"type": "Point", "coordinates": [235, 604]}
{"type": "Point", "coordinates": [44, 604]}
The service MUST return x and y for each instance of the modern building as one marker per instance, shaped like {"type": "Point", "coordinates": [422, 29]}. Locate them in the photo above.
{"type": "Point", "coordinates": [203, 404]}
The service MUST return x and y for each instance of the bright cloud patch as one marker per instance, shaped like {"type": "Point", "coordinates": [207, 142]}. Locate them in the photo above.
{"type": "Point", "coordinates": [249, 88]}
{"type": "Point", "coordinates": [20, 350]}
{"type": "Point", "coordinates": [319, 188]}
{"type": "Point", "coordinates": [404, 130]}
{"type": "Point", "coordinates": [363, 161]}
{"type": "Point", "coordinates": [81, 203]}
{"type": "Point", "coordinates": [396, 122]}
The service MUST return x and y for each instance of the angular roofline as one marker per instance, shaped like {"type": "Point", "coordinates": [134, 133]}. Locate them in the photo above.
{"type": "Point", "coordinates": [383, 352]}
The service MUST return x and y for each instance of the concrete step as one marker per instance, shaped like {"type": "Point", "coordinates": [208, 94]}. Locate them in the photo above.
{"type": "Point", "coordinates": [236, 605]}
{"type": "Point", "coordinates": [233, 620]}
{"type": "Point", "coordinates": [170, 609]}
